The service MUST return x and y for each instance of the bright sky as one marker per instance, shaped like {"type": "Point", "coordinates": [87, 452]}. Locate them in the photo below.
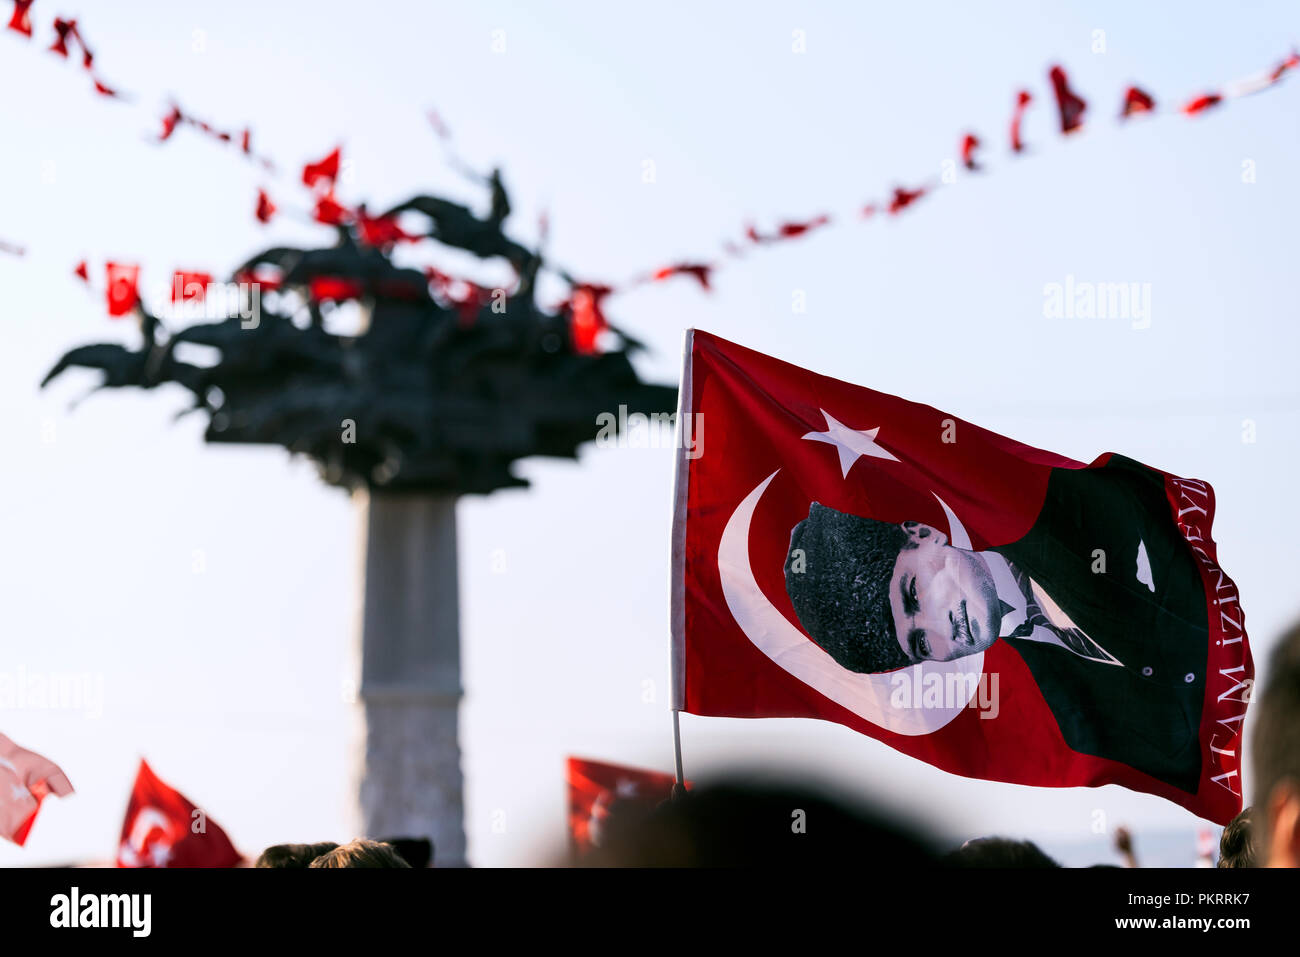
{"type": "Point", "coordinates": [212, 593]}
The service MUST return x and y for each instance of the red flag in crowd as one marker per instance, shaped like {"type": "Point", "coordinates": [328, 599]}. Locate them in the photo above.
{"type": "Point", "coordinates": [163, 829]}
{"type": "Point", "coordinates": [602, 794]}
{"type": "Point", "coordinates": [123, 289]}
{"type": "Point", "coordinates": [26, 779]}
{"type": "Point", "coordinates": [995, 610]}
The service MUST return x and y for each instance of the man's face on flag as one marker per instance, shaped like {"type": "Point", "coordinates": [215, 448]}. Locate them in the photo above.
{"type": "Point", "coordinates": [943, 600]}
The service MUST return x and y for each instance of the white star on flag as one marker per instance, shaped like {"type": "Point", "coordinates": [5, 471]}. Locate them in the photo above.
{"type": "Point", "coordinates": [850, 443]}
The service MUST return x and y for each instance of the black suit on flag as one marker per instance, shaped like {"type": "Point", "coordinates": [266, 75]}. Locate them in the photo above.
{"type": "Point", "coordinates": [1144, 711]}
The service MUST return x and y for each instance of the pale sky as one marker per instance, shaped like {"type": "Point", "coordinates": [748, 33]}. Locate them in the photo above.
{"type": "Point", "coordinates": [212, 592]}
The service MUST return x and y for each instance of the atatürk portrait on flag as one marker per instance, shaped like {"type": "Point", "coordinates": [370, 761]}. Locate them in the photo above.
{"type": "Point", "coordinates": [1101, 599]}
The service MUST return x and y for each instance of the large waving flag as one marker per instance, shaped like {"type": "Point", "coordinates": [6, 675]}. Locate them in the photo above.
{"type": "Point", "coordinates": [25, 780]}
{"type": "Point", "coordinates": [163, 828]}
{"type": "Point", "coordinates": [995, 610]}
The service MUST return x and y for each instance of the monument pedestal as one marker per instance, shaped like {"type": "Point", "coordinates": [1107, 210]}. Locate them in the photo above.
{"type": "Point", "coordinates": [409, 694]}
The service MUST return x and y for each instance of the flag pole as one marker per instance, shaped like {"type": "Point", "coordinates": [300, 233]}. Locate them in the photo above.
{"type": "Point", "coordinates": [677, 589]}
{"type": "Point", "coordinates": [679, 786]}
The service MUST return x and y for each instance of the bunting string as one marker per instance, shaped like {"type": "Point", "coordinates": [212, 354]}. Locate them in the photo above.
{"type": "Point", "coordinates": [587, 299]}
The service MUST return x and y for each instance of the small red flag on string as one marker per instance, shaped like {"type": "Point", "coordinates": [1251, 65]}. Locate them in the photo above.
{"type": "Point", "coordinates": [82, 272]}
{"type": "Point", "coordinates": [787, 230]}
{"type": "Point", "coordinates": [1071, 105]}
{"type": "Point", "coordinates": [1290, 63]}
{"type": "Point", "coordinates": [904, 198]}
{"type": "Point", "coordinates": [969, 144]}
{"type": "Point", "coordinates": [21, 21]}
{"type": "Point", "coordinates": [64, 29]}
{"type": "Point", "coordinates": [325, 171]}
{"type": "Point", "coordinates": [330, 212]}
{"type": "Point", "coordinates": [123, 291]}
{"type": "Point", "coordinates": [466, 296]}
{"type": "Point", "coordinates": [1202, 103]}
{"type": "Point", "coordinates": [169, 123]}
{"type": "Point", "coordinates": [26, 779]}
{"type": "Point", "coordinates": [1023, 99]}
{"type": "Point", "coordinates": [266, 278]}
{"type": "Point", "coordinates": [1137, 101]}
{"type": "Point", "coordinates": [588, 319]}
{"type": "Point", "coordinates": [265, 208]}
{"type": "Point", "coordinates": [700, 271]}
{"type": "Point", "coordinates": [791, 230]}
{"type": "Point", "coordinates": [381, 230]}
{"type": "Point", "coordinates": [164, 829]}
{"type": "Point", "coordinates": [334, 288]}
{"type": "Point", "coordinates": [190, 286]}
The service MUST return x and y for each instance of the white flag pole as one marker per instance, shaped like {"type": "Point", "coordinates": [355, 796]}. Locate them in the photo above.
{"type": "Point", "coordinates": [677, 588]}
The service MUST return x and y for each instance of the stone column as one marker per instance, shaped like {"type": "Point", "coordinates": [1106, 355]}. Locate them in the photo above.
{"type": "Point", "coordinates": [409, 693]}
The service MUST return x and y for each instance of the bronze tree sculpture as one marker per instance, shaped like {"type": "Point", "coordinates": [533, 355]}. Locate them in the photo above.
{"type": "Point", "coordinates": [428, 396]}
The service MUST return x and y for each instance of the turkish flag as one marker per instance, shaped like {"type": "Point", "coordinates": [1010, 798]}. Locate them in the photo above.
{"type": "Point", "coordinates": [163, 829]}
{"type": "Point", "coordinates": [994, 610]}
{"type": "Point", "coordinates": [604, 796]}
{"type": "Point", "coordinates": [26, 779]}
{"type": "Point", "coordinates": [123, 288]}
